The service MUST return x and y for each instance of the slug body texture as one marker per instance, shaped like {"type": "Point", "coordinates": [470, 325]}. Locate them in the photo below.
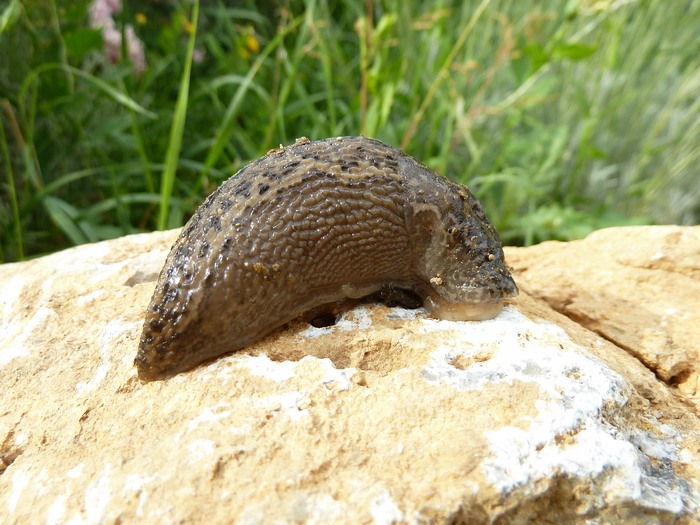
{"type": "Point", "coordinates": [309, 225]}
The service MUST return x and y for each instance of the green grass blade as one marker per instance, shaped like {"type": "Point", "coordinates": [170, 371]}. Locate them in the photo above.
{"type": "Point", "coordinates": [327, 59]}
{"type": "Point", "coordinates": [143, 155]}
{"type": "Point", "coordinates": [10, 15]}
{"type": "Point", "coordinates": [98, 83]}
{"type": "Point", "coordinates": [178, 127]}
{"type": "Point", "coordinates": [443, 73]}
{"type": "Point", "coordinates": [12, 191]}
{"type": "Point", "coordinates": [65, 217]}
{"type": "Point", "coordinates": [228, 122]}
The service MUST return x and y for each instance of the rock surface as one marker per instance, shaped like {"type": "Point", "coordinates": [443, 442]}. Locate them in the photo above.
{"type": "Point", "coordinates": [386, 417]}
{"type": "Point", "coordinates": [638, 287]}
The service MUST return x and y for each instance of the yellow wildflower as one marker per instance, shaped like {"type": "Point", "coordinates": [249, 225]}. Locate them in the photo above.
{"type": "Point", "coordinates": [252, 44]}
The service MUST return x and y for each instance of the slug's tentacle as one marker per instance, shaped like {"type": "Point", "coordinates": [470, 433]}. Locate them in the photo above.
{"type": "Point", "coordinates": [311, 224]}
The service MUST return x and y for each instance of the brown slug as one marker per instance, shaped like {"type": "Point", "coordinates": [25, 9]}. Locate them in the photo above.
{"type": "Point", "coordinates": [311, 224]}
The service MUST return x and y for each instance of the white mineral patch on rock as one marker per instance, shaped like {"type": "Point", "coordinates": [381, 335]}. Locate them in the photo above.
{"type": "Point", "coordinates": [581, 401]}
{"type": "Point", "coordinates": [262, 366]}
{"type": "Point", "coordinates": [384, 510]}
{"type": "Point", "coordinates": [98, 496]}
{"type": "Point", "coordinates": [354, 319]}
{"type": "Point", "coordinates": [637, 286]}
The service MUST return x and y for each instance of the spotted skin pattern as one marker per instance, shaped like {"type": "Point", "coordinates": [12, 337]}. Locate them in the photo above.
{"type": "Point", "coordinates": [308, 225]}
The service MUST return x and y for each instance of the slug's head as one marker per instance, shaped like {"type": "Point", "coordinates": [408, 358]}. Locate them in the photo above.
{"type": "Point", "coordinates": [462, 269]}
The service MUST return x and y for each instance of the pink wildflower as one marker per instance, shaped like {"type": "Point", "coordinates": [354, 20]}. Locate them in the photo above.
{"type": "Point", "coordinates": [101, 16]}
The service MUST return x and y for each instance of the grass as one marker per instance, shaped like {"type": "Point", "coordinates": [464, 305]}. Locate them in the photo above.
{"type": "Point", "coordinates": [178, 128]}
{"type": "Point", "coordinates": [563, 117]}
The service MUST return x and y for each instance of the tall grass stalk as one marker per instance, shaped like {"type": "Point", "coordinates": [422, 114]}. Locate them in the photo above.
{"type": "Point", "coordinates": [225, 128]}
{"type": "Point", "coordinates": [178, 127]}
{"type": "Point", "coordinates": [141, 147]}
{"type": "Point", "coordinates": [442, 73]}
{"type": "Point", "coordinates": [17, 226]}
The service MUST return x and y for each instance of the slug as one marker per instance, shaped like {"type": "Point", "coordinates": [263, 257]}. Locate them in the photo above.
{"type": "Point", "coordinates": [309, 225]}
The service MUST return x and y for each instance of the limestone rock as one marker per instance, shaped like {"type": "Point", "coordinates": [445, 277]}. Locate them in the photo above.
{"type": "Point", "coordinates": [386, 417]}
{"type": "Point", "coordinates": [638, 287]}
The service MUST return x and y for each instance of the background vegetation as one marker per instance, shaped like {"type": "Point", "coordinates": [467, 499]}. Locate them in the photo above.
{"type": "Point", "coordinates": [562, 116]}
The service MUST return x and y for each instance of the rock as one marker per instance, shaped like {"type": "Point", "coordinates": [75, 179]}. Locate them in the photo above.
{"type": "Point", "coordinates": [386, 417]}
{"type": "Point", "coordinates": [638, 287]}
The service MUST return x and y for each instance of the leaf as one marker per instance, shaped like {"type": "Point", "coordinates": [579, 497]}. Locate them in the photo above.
{"type": "Point", "coordinates": [532, 57]}
{"type": "Point", "coordinates": [65, 215]}
{"type": "Point", "coordinates": [117, 96]}
{"type": "Point", "coordinates": [80, 43]}
{"type": "Point", "coordinates": [384, 27]}
{"type": "Point", "coordinates": [10, 15]}
{"type": "Point", "coordinates": [228, 121]}
{"type": "Point", "coordinates": [100, 84]}
{"type": "Point", "coordinates": [568, 51]}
